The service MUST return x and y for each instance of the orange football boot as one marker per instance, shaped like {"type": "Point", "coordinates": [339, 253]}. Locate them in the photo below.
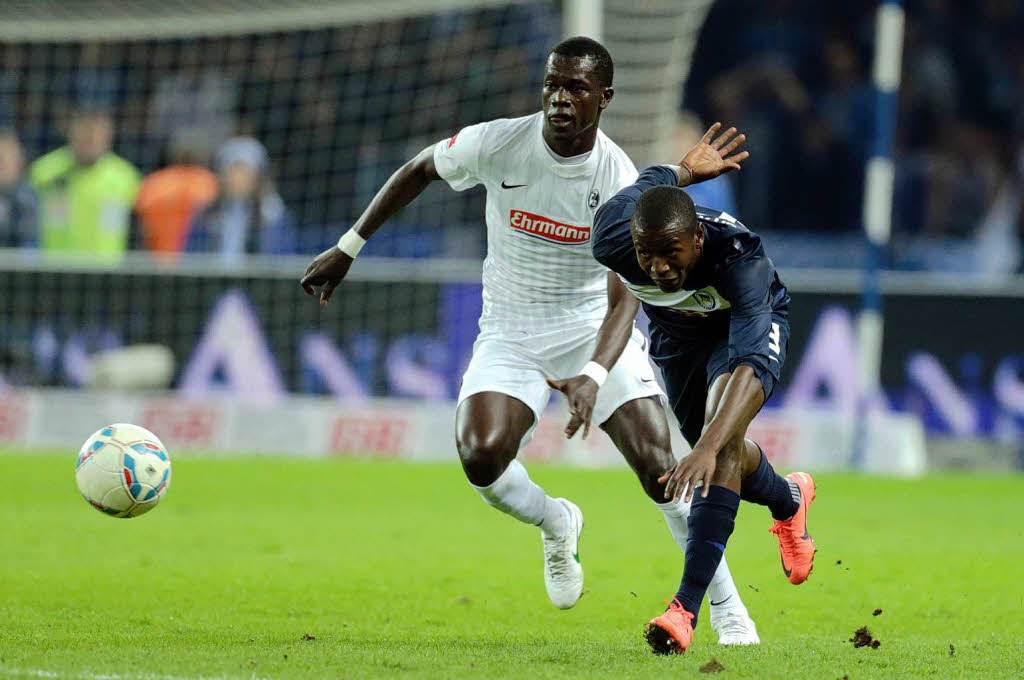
{"type": "Point", "coordinates": [672, 632]}
{"type": "Point", "coordinates": [796, 547]}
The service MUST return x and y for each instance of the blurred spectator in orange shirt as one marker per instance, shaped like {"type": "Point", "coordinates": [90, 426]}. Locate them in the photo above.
{"type": "Point", "coordinates": [170, 198]}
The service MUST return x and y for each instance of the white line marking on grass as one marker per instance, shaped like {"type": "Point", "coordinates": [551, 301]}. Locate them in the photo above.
{"type": "Point", "coordinates": [80, 675]}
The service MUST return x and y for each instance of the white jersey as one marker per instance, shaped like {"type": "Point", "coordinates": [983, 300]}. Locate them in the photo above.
{"type": "Point", "coordinates": [539, 273]}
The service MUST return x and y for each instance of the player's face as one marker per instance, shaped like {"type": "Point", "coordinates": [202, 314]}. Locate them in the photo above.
{"type": "Point", "coordinates": [669, 255]}
{"type": "Point", "coordinates": [572, 96]}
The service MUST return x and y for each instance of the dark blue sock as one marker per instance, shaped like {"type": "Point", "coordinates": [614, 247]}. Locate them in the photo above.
{"type": "Point", "coordinates": [711, 522]}
{"type": "Point", "coordinates": [766, 487]}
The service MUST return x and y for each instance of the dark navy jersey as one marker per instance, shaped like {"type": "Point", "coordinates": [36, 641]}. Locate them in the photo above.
{"type": "Point", "coordinates": [733, 290]}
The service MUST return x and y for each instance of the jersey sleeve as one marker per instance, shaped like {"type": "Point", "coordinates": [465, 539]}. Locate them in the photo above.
{"type": "Point", "coordinates": [613, 242]}
{"type": "Point", "coordinates": [457, 159]}
{"type": "Point", "coordinates": [625, 173]}
{"type": "Point", "coordinates": [746, 284]}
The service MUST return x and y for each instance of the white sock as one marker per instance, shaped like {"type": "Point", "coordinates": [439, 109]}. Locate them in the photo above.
{"type": "Point", "coordinates": [515, 494]}
{"type": "Point", "coordinates": [675, 517]}
{"type": "Point", "coordinates": [722, 590]}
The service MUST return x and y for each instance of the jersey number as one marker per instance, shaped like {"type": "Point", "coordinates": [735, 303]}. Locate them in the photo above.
{"type": "Point", "coordinates": [773, 341]}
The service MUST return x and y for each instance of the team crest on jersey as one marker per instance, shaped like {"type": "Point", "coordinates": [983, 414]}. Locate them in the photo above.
{"type": "Point", "coordinates": [705, 299]}
{"type": "Point", "coordinates": [595, 199]}
{"type": "Point", "coordinates": [547, 229]}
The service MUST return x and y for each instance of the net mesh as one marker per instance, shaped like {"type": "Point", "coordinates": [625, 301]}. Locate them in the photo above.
{"type": "Point", "coordinates": [337, 108]}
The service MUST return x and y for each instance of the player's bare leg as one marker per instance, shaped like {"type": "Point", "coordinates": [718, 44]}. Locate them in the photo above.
{"type": "Point", "coordinates": [759, 484]}
{"type": "Point", "coordinates": [489, 428]}
{"type": "Point", "coordinates": [640, 431]}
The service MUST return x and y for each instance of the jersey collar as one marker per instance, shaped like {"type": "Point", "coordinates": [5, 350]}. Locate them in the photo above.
{"type": "Point", "coordinates": [587, 167]}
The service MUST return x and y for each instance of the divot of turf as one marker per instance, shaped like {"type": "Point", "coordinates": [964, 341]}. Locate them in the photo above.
{"type": "Point", "coordinates": [862, 638]}
{"type": "Point", "coordinates": [712, 666]}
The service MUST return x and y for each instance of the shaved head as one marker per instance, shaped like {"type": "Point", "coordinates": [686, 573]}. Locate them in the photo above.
{"type": "Point", "coordinates": [664, 207]}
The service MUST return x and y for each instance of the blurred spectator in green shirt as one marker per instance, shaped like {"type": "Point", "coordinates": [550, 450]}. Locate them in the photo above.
{"type": "Point", "coordinates": [18, 205]}
{"type": "Point", "coordinates": [86, 191]}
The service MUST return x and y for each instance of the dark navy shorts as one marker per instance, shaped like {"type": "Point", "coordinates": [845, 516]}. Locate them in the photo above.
{"type": "Point", "coordinates": [691, 366]}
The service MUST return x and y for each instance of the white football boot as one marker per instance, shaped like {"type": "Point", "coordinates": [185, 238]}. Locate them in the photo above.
{"type": "Point", "coordinates": [563, 574]}
{"type": "Point", "coordinates": [734, 625]}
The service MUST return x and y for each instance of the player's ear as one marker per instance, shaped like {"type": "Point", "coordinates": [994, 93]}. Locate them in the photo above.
{"type": "Point", "coordinates": [606, 97]}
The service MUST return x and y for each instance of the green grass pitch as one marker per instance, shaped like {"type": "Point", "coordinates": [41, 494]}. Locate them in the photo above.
{"type": "Point", "coordinates": [346, 569]}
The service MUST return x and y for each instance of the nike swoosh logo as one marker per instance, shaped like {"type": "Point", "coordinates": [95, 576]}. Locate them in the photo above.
{"type": "Point", "coordinates": [646, 380]}
{"type": "Point", "coordinates": [510, 186]}
{"type": "Point", "coordinates": [715, 604]}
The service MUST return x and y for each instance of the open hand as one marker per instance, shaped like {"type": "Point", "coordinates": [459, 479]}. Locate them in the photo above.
{"type": "Point", "coordinates": [709, 159]}
{"type": "Point", "coordinates": [581, 393]}
{"type": "Point", "coordinates": [696, 467]}
{"type": "Point", "coordinates": [326, 271]}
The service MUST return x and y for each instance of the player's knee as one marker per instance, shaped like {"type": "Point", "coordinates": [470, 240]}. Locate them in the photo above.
{"type": "Point", "coordinates": [729, 462]}
{"type": "Point", "coordinates": [485, 455]}
{"type": "Point", "coordinates": [649, 477]}
{"type": "Point", "coordinates": [651, 461]}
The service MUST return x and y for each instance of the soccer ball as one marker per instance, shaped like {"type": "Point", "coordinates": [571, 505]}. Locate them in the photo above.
{"type": "Point", "coordinates": [123, 470]}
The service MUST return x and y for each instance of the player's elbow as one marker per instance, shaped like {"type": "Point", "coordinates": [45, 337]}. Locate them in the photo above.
{"type": "Point", "coordinates": [422, 166]}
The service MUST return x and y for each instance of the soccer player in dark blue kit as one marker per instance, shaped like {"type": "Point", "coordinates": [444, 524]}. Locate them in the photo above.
{"type": "Point", "coordinates": [719, 330]}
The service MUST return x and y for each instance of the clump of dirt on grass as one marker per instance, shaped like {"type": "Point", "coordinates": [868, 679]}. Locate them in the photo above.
{"type": "Point", "coordinates": [862, 638]}
{"type": "Point", "coordinates": [952, 650]}
{"type": "Point", "coordinates": [876, 612]}
{"type": "Point", "coordinates": [307, 637]}
{"type": "Point", "coordinates": [712, 667]}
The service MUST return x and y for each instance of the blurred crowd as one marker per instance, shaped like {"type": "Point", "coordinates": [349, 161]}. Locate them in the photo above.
{"type": "Point", "coordinates": [266, 143]}
{"type": "Point", "coordinates": [796, 75]}
{"type": "Point", "coordinates": [272, 143]}
{"type": "Point", "coordinates": [81, 197]}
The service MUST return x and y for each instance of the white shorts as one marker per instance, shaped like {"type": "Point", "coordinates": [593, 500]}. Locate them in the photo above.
{"type": "Point", "coordinates": [517, 363]}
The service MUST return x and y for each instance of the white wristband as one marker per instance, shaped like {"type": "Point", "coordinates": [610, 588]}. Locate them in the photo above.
{"type": "Point", "coordinates": [351, 243]}
{"type": "Point", "coordinates": [595, 371]}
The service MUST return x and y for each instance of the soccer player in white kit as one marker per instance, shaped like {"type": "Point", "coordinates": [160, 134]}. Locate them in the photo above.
{"type": "Point", "coordinates": [553, 317]}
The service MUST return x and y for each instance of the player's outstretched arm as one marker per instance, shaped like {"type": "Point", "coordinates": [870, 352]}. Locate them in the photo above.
{"type": "Point", "coordinates": [581, 390]}
{"type": "Point", "coordinates": [329, 267]}
{"type": "Point", "coordinates": [711, 156]}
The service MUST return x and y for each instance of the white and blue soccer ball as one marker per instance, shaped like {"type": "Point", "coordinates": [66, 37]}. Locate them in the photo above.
{"type": "Point", "coordinates": [123, 470]}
